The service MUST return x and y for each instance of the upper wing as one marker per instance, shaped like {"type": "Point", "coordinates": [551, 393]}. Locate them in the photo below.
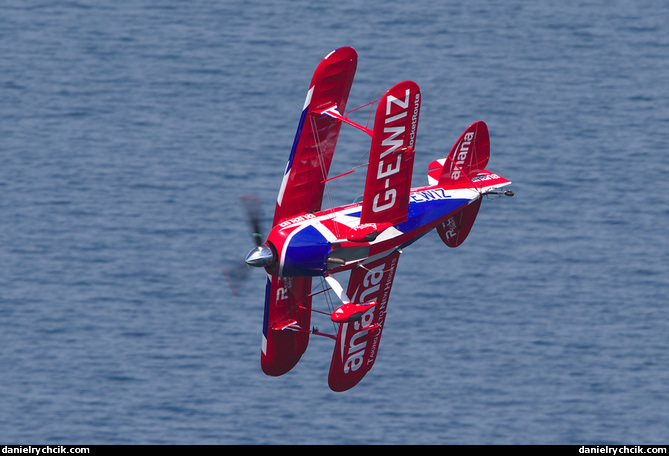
{"type": "Point", "coordinates": [388, 181]}
{"type": "Point", "coordinates": [358, 343]}
{"type": "Point", "coordinates": [286, 323]}
{"type": "Point", "coordinates": [311, 156]}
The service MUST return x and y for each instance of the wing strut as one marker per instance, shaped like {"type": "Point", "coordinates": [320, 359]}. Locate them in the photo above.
{"type": "Point", "coordinates": [333, 112]}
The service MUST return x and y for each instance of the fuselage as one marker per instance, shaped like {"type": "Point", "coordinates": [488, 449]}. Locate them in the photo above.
{"type": "Point", "coordinates": [319, 243]}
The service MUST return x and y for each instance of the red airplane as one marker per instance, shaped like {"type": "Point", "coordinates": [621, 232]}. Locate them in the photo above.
{"type": "Point", "coordinates": [364, 238]}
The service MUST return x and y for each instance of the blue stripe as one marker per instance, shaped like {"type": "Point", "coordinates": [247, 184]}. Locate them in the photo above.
{"type": "Point", "coordinates": [296, 141]}
{"type": "Point", "coordinates": [421, 213]}
{"type": "Point", "coordinates": [429, 211]}
{"type": "Point", "coordinates": [268, 295]}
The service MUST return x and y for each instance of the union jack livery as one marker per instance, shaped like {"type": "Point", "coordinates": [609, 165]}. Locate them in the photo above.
{"type": "Point", "coordinates": [364, 239]}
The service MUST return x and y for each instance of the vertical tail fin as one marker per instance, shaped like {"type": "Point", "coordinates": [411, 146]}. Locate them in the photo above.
{"type": "Point", "coordinates": [468, 157]}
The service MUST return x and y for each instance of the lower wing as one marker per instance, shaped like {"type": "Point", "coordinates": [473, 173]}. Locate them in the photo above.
{"type": "Point", "coordinates": [357, 343]}
{"type": "Point", "coordinates": [286, 323]}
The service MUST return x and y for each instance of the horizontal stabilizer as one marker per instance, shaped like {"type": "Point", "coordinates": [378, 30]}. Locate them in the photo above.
{"type": "Point", "coordinates": [388, 182]}
{"type": "Point", "coordinates": [434, 171]}
{"type": "Point", "coordinates": [456, 228]}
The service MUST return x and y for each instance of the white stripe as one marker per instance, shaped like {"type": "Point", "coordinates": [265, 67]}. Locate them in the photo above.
{"type": "Point", "coordinates": [388, 233]}
{"type": "Point", "coordinates": [282, 189]}
{"type": "Point", "coordinates": [327, 234]}
{"type": "Point", "coordinates": [285, 248]}
{"type": "Point", "coordinates": [339, 291]}
{"type": "Point", "coordinates": [284, 182]}
{"type": "Point", "coordinates": [337, 288]}
{"type": "Point", "coordinates": [343, 338]}
{"type": "Point", "coordinates": [308, 99]}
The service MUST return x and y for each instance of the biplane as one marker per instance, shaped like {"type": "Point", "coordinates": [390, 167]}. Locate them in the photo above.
{"type": "Point", "coordinates": [364, 239]}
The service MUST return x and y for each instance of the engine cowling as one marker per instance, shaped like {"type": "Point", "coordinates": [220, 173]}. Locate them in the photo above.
{"type": "Point", "coordinates": [301, 251]}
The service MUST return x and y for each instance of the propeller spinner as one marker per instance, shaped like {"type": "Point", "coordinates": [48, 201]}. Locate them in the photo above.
{"type": "Point", "coordinates": [261, 256]}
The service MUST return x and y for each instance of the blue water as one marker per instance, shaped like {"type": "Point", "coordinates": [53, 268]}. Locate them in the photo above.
{"type": "Point", "coordinates": [128, 130]}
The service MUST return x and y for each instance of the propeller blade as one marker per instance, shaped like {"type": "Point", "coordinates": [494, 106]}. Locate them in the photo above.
{"type": "Point", "coordinates": [236, 274]}
{"type": "Point", "coordinates": [252, 205]}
